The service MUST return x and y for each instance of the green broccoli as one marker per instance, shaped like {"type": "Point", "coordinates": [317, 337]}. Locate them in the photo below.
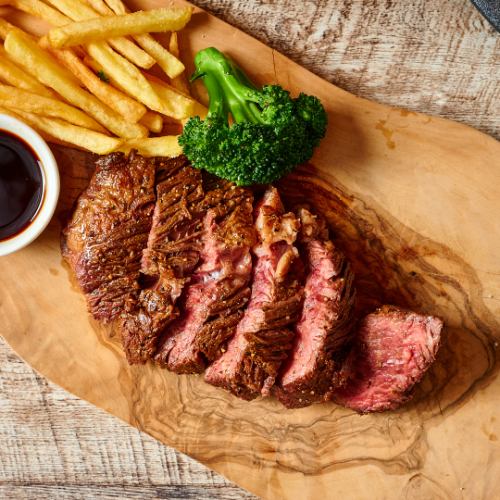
{"type": "Point", "coordinates": [269, 134]}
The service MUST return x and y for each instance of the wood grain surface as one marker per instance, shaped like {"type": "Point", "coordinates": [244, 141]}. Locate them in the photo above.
{"type": "Point", "coordinates": [52, 444]}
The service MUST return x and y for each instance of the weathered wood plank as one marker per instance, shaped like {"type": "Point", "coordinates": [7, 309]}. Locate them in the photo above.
{"type": "Point", "coordinates": [439, 58]}
{"type": "Point", "coordinates": [52, 443]}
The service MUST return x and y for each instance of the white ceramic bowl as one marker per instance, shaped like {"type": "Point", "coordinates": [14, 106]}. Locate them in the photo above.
{"type": "Point", "coordinates": [51, 184]}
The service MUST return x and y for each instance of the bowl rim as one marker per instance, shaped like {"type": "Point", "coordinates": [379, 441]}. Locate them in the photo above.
{"type": "Point", "coordinates": [51, 184]}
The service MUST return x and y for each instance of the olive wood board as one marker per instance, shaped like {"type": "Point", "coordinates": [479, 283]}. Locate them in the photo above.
{"type": "Point", "coordinates": [414, 201]}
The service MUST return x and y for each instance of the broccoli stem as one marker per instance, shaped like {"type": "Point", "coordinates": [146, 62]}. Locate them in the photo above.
{"type": "Point", "coordinates": [229, 84]}
{"type": "Point", "coordinates": [217, 106]}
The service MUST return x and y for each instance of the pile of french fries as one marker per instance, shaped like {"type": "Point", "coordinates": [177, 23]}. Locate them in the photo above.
{"type": "Point", "coordinates": [87, 82]}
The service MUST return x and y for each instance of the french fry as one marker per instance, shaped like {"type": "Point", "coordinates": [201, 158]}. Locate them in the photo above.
{"type": "Point", "coordinates": [40, 64]}
{"type": "Point", "coordinates": [156, 20]}
{"type": "Point", "coordinates": [169, 63]}
{"type": "Point", "coordinates": [171, 102]}
{"type": "Point", "coordinates": [10, 112]}
{"type": "Point", "coordinates": [125, 105]}
{"type": "Point", "coordinates": [13, 75]}
{"type": "Point", "coordinates": [152, 121]}
{"type": "Point", "coordinates": [117, 6]}
{"type": "Point", "coordinates": [154, 146]}
{"type": "Point", "coordinates": [178, 81]}
{"type": "Point", "coordinates": [5, 27]}
{"type": "Point", "coordinates": [199, 110]}
{"type": "Point", "coordinates": [83, 138]}
{"type": "Point", "coordinates": [23, 100]}
{"type": "Point", "coordinates": [133, 53]}
{"type": "Point", "coordinates": [39, 9]}
{"type": "Point", "coordinates": [176, 105]}
{"type": "Point", "coordinates": [125, 75]}
{"type": "Point", "coordinates": [75, 10]}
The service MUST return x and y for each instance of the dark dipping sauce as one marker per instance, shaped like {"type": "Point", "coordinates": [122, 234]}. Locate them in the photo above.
{"type": "Point", "coordinates": [21, 185]}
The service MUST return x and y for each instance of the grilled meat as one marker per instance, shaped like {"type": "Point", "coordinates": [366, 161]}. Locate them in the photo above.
{"type": "Point", "coordinates": [393, 349]}
{"type": "Point", "coordinates": [219, 289]}
{"type": "Point", "coordinates": [104, 239]}
{"type": "Point", "coordinates": [164, 253]}
{"type": "Point", "coordinates": [309, 375]}
{"type": "Point", "coordinates": [168, 260]}
{"type": "Point", "coordinates": [263, 338]}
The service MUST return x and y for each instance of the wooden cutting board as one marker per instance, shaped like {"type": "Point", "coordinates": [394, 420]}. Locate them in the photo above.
{"type": "Point", "coordinates": [414, 201]}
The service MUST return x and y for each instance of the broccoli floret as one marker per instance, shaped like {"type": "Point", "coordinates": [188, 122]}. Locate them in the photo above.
{"type": "Point", "coordinates": [250, 135]}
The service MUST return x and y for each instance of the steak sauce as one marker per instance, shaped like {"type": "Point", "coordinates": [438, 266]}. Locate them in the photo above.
{"type": "Point", "coordinates": [21, 185]}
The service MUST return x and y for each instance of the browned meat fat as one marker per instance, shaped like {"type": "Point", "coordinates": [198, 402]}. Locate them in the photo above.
{"type": "Point", "coordinates": [219, 289]}
{"type": "Point", "coordinates": [263, 338]}
{"type": "Point", "coordinates": [392, 350]}
{"type": "Point", "coordinates": [308, 376]}
{"type": "Point", "coordinates": [104, 239]}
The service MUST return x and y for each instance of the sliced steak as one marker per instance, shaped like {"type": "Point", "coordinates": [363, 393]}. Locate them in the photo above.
{"type": "Point", "coordinates": [308, 376]}
{"type": "Point", "coordinates": [263, 338]}
{"type": "Point", "coordinates": [392, 350]}
{"type": "Point", "coordinates": [168, 260]}
{"type": "Point", "coordinates": [219, 289]}
{"type": "Point", "coordinates": [104, 239]}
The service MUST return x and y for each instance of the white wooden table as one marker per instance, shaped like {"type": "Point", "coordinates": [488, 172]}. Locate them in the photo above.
{"type": "Point", "coordinates": [440, 58]}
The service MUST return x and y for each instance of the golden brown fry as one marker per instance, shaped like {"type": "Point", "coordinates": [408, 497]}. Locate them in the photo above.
{"type": "Point", "coordinates": [93, 64]}
{"type": "Point", "coordinates": [176, 105]}
{"type": "Point", "coordinates": [132, 52]}
{"type": "Point", "coordinates": [75, 10]}
{"type": "Point", "coordinates": [117, 6]}
{"type": "Point", "coordinates": [156, 20]}
{"type": "Point", "coordinates": [179, 81]}
{"type": "Point", "coordinates": [166, 146]}
{"type": "Point", "coordinates": [152, 121]}
{"type": "Point", "coordinates": [170, 64]}
{"type": "Point", "coordinates": [199, 110]}
{"type": "Point", "coordinates": [84, 138]}
{"type": "Point", "coordinates": [171, 102]}
{"type": "Point", "coordinates": [5, 27]}
{"type": "Point", "coordinates": [100, 7]}
{"type": "Point", "coordinates": [24, 100]}
{"type": "Point", "coordinates": [39, 9]}
{"type": "Point", "coordinates": [13, 75]}
{"type": "Point", "coordinates": [39, 63]}
{"type": "Point", "coordinates": [125, 75]}
{"type": "Point", "coordinates": [10, 112]}
{"type": "Point", "coordinates": [125, 105]}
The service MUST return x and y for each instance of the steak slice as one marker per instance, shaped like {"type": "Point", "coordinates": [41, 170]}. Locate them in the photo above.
{"type": "Point", "coordinates": [263, 340]}
{"type": "Point", "coordinates": [392, 350]}
{"type": "Point", "coordinates": [104, 239]}
{"type": "Point", "coordinates": [171, 254]}
{"type": "Point", "coordinates": [308, 376]}
{"type": "Point", "coordinates": [219, 289]}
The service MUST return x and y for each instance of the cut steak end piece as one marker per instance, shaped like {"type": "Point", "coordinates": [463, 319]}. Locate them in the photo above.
{"type": "Point", "coordinates": [218, 292]}
{"type": "Point", "coordinates": [308, 376]}
{"type": "Point", "coordinates": [104, 239]}
{"type": "Point", "coordinates": [263, 338]}
{"type": "Point", "coordinates": [392, 350]}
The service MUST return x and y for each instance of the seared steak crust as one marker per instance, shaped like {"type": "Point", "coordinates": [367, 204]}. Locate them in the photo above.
{"type": "Point", "coordinates": [104, 239]}
{"type": "Point", "coordinates": [309, 375]}
{"type": "Point", "coordinates": [263, 338]}
{"type": "Point", "coordinates": [168, 260]}
{"type": "Point", "coordinates": [392, 350]}
{"type": "Point", "coordinates": [164, 252]}
{"type": "Point", "coordinates": [218, 292]}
